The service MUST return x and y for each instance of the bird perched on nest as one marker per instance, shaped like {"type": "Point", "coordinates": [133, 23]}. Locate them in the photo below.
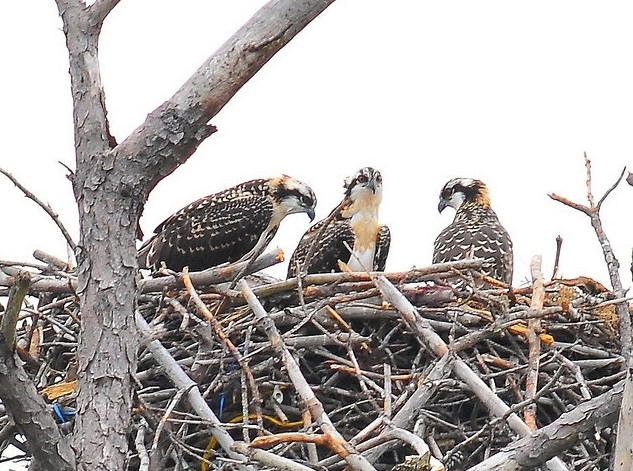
{"type": "Point", "coordinates": [352, 225]}
{"type": "Point", "coordinates": [228, 226]}
{"type": "Point", "coordinates": [475, 232]}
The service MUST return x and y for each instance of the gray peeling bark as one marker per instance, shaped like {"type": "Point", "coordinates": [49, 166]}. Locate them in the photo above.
{"type": "Point", "coordinates": [545, 443]}
{"type": "Point", "coordinates": [106, 259]}
{"type": "Point", "coordinates": [111, 184]}
{"type": "Point", "coordinates": [174, 130]}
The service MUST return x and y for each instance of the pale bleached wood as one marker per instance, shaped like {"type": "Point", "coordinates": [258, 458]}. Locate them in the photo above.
{"type": "Point", "coordinates": [543, 444]}
{"type": "Point", "coordinates": [534, 340]}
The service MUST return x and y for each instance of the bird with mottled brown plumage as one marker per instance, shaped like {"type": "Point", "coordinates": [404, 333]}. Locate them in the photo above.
{"type": "Point", "coordinates": [475, 231]}
{"type": "Point", "coordinates": [351, 234]}
{"type": "Point", "coordinates": [227, 226]}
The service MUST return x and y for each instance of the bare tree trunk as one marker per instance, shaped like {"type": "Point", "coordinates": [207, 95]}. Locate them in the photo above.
{"type": "Point", "coordinates": [112, 183]}
{"type": "Point", "coordinates": [105, 256]}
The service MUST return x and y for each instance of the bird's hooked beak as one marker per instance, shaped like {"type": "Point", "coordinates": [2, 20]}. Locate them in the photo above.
{"type": "Point", "coordinates": [371, 184]}
{"type": "Point", "coordinates": [310, 213]}
{"type": "Point", "coordinates": [442, 205]}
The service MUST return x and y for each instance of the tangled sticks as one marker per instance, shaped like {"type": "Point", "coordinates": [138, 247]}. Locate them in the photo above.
{"type": "Point", "coordinates": [344, 369]}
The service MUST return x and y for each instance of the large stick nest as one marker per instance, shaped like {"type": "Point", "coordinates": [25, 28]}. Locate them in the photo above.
{"type": "Point", "coordinates": [361, 360]}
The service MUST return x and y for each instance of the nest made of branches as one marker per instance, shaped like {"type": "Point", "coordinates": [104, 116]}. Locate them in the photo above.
{"type": "Point", "coordinates": [369, 367]}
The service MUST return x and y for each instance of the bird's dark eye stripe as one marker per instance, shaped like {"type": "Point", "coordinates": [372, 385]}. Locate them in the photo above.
{"type": "Point", "coordinates": [302, 197]}
{"type": "Point", "coordinates": [468, 191]}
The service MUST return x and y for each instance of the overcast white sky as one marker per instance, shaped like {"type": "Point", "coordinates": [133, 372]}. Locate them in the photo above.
{"type": "Point", "coordinates": [511, 93]}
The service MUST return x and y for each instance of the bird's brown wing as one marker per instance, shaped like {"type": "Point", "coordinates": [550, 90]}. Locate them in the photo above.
{"type": "Point", "coordinates": [452, 243]}
{"type": "Point", "coordinates": [330, 246]}
{"type": "Point", "coordinates": [498, 251]}
{"type": "Point", "coordinates": [208, 232]}
{"type": "Point", "coordinates": [383, 242]}
{"type": "Point", "coordinates": [489, 241]}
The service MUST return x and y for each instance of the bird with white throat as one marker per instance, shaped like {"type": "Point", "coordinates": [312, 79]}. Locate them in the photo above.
{"type": "Point", "coordinates": [351, 237]}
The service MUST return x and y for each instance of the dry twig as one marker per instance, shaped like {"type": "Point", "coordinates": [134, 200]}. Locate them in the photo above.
{"type": "Point", "coordinates": [362, 364]}
{"type": "Point", "coordinates": [53, 215]}
{"type": "Point", "coordinates": [534, 341]}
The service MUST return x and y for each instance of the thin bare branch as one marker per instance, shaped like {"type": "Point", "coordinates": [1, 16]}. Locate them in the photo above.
{"type": "Point", "coordinates": [613, 187]}
{"type": "Point", "coordinates": [613, 265]}
{"type": "Point", "coordinates": [590, 197]}
{"type": "Point", "coordinates": [53, 215]}
{"type": "Point", "coordinates": [559, 245]}
{"type": "Point", "coordinates": [571, 204]}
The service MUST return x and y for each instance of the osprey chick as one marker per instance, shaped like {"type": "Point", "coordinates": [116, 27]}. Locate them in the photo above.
{"type": "Point", "coordinates": [475, 231]}
{"type": "Point", "coordinates": [226, 226]}
{"type": "Point", "coordinates": [354, 225]}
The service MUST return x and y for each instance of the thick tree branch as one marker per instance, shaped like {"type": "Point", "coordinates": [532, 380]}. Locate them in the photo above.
{"type": "Point", "coordinates": [100, 9]}
{"type": "Point", "coordinates": [106, 256]}
{"type": "Point", "coordinates": [541, 445]}
{"type": "Point", "coordinates": [92, 137]}
{"type": "Point", "coordinates": [112, 183]}
{"type": "Point", "coordinates": [174, 130]}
